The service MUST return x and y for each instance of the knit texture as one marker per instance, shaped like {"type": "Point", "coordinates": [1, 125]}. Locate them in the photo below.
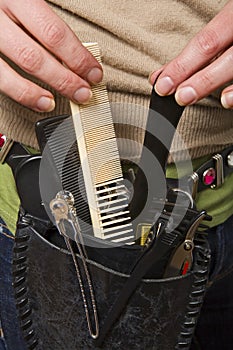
{"type": "Point", "coordinates": [135, 38]}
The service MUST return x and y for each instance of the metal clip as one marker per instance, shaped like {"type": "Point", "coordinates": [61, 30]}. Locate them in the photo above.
{"type": "Point", "coordinates": [64, 213]}
{"type": "Point", "coordinates": [195, 179]}
{"type": "Point", "coordinates": [219, 170]}
{"type": "Point", "coordinates": [182, 259]}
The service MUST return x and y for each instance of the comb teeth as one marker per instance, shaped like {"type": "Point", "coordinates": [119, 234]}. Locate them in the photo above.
{"type": "Point", "coordinates": [114, 218]}
{"type": "Point", "coordinates": [100, 161]}
{"type": "Point", "coordinates": [62, 145]}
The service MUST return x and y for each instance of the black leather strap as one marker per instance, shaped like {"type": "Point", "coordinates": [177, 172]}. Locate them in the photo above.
{"type": "Point", "coordinates": [163, 117]}
{"type": "Point", "coordinates": [167, 108]}
{"type": "Point", "coordinates": [13, 148]}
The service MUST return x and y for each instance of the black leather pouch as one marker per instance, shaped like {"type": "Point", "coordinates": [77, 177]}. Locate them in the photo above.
{"type": "Point", "coordinates": [160, 313]}
{"type": "Point", "coordinates": [124, 304]}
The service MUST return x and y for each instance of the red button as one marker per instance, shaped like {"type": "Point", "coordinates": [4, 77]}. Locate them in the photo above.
{"type": "Point", "coordinates": [2, 140]}
{"type": "Point", "coordinates": [209, 176]}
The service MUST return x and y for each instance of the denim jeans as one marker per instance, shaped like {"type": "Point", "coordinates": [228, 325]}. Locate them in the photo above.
{"type": "Point", "coordinates": [214, 329]}
{"type": "Point", "coordinates": [11, 338]}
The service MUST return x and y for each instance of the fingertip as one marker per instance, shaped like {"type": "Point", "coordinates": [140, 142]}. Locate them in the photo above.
{"type": "Point", "coordinates": [164, 86]}
{"type": "Point", "coordinates": [95, 75]}
{"type": "Point", "coordinates": [45, 104]}
{"type": "Point", "coordinates": [178, 100]}
{"type": "Point", "coordinates": [186, 95]}
{"type": "Point", "coordinates": [227, 100]}
{"type": "Point", "coordinates": [154, 75]}
{"type": "Point", "coordinates": [82, 95]}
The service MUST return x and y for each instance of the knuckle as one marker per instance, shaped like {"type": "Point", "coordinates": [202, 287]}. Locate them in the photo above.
{"type": "Point", "coordinates": [81, 63]}
{"type": "Point", "coordinates": [207, 80]}
{"type": "Point", "coordinates": [180, 68]}
{"type": "Point", "coordinates": [30, 59]}
{"type": "Point", "coordinates": [65, 83]}
{"type": "Point", "coordinates": [208, 42]}
{"type": "Point", "coordinates": [24, 95]}
{"type": "Point", "coordinates": [54, 34]}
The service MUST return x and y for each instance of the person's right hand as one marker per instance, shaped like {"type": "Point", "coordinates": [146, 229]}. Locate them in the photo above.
{"type": "Point", "coordinates": [37, 40]}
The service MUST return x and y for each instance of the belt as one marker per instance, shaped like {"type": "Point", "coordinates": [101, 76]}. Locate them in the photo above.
{"type": "Point", "coordinates": [9, 147]}
{"type": "Point", "coordinates": [211, 174]}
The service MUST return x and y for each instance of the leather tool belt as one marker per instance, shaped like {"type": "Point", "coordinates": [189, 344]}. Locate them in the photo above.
{"type": "Point", "coordinates": [211, 174]}
{"type": "Point", "coordinates": [134, 297]}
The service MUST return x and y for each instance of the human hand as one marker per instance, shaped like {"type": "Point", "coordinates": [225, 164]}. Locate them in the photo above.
{"type": "Point", "coordinates": [38, 41]}
{"type": "Point", "coordinates": [203, 66]}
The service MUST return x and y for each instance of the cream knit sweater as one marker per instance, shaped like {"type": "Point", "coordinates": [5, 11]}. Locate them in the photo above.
{"type": "Point", "coordinates": [136, 37]}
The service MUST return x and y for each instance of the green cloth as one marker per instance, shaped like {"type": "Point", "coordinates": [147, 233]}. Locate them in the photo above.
{"type": "Point", "coordinates": [217, 202]}
{"type": "Point", "coordinates": [9, 200]}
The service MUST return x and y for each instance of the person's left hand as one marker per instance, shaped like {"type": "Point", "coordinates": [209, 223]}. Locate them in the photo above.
{"type": "Point", "coordinates": [205, 64]}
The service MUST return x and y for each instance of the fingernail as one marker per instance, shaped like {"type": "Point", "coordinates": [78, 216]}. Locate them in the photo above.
{"type": "Point", "coordinates": [186, 95]}
{"type": "Point", "coordinates": [227, 100]}
{"type": "Point", "coordinates": [45, 104]}
{"type": "Point", "coordinates": [95, 75]}
{"type": "Point", "coordinates": [82, 95]}
{"type": "Point", "coordinates": [164, 86]}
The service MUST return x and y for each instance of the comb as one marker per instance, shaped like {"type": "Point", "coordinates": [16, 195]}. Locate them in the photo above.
{"type": "Point", "coordinates": [92, 170]}
{"type": "Point", "coordinates": [60, 158]}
